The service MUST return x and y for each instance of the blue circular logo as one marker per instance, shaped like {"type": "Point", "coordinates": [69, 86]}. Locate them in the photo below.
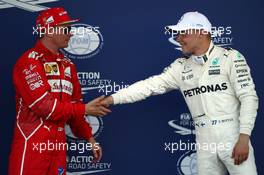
{"type": "Point", "coordinates": [86, 42]}
{"type": "Point", "coordinates": [96, 124]}
{"type": "Point", "coordinates": [187, 163]}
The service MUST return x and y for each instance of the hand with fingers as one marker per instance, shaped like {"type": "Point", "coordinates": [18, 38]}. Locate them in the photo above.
{"type": "Point", "coordinates": [241, 149]}
{"type": "Point", "coordinates": [95, 108]}
{"type": "Point", "coordinates": [97, 150]}
{"type": "Point", "coordinates": [107, 101]}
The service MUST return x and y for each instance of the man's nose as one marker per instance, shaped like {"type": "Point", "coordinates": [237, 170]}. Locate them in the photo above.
{"type": "Point", "coordinates": [178, 38]}
{"type": "Point", "coordinates": [70, 34]}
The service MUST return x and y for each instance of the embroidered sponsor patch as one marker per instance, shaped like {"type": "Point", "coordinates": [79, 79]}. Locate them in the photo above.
{"type": "Point", "coordinates": [61, 86]}
{"type": "Point", "coordinates": [67, 72]}
{"type": "Point", "coordinates": [32, 78]}
{"type": "Point", "coordinates": [60, 171]}
{"type": "Point", "coordinates": [51, 68]}
{"type": "Point", "coordinates": [214, 72]}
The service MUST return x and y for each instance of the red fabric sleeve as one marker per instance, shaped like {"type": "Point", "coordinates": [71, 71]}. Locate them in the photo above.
{"type": "Point", "coordinates": [79, 126]}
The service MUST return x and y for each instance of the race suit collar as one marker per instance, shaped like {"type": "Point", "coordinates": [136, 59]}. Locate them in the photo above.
{"type": "Point", "coordinates": [50, 55]}
{"type": "Point", "coordinates": [203, 58]}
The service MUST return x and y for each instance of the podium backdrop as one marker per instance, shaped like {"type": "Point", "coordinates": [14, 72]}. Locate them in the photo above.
{"type": "Point", "coordinates": [127, 42]}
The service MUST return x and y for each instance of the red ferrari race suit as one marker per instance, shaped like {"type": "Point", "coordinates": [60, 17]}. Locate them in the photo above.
{"type": "Point", "coordinates": [48, 95]}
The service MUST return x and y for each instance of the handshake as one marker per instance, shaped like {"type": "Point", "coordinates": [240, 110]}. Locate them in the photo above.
{"type": "Point", "coordinates": [99, 106]}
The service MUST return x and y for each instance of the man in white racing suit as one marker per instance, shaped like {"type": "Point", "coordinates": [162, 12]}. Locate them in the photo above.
{"type": "Point", "coordinates": [219, 91]}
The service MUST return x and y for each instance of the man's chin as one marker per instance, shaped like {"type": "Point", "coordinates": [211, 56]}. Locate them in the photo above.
{"type": "Point", "coordinates": [184, 52]}
{"type": "Point", "coordinates": [65, 46]}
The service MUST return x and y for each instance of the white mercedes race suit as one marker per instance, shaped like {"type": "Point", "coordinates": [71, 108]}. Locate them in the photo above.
{"type": "Point", "coordinates": [221, 97]}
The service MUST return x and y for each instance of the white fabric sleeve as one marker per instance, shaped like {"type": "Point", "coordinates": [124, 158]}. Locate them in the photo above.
{"type": "Point", "coordinates": [245, 91]}
{"type": "Point", "coordinates": [155, 85]}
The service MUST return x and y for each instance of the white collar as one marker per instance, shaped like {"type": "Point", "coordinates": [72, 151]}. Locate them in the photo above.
{"type": "Point", "coordinates": [203, 58]}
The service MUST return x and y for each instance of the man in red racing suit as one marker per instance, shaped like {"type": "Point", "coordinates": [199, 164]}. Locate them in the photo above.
{"type": "Point", "coordinates": [48, 95]}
